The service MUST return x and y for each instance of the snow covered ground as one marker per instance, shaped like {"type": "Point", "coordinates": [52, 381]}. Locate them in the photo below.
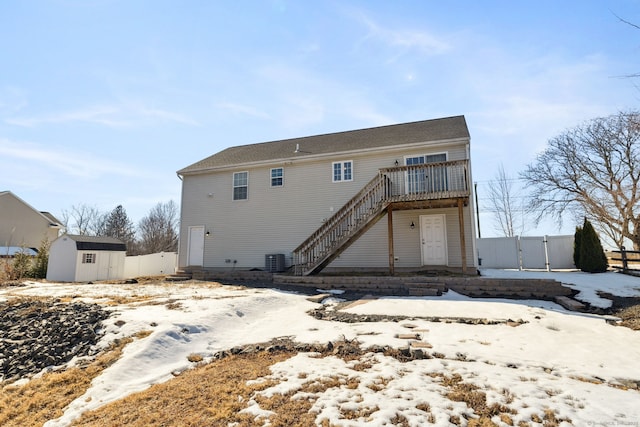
{"type": "Point", "coordinates": [576, 364]}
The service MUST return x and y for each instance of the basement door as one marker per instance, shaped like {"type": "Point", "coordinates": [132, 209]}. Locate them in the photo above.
{"type": "Point", "coordinates": [433, 239]}
{"type": "Point", "coordinates": [195, 253]}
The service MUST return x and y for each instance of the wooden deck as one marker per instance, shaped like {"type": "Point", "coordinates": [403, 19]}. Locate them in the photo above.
{"type": "Point", "coordinates": [424, 186]}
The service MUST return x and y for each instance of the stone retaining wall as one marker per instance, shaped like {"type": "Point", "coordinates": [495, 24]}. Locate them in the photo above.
{"type": "Point", "coordinates": [473, 286]}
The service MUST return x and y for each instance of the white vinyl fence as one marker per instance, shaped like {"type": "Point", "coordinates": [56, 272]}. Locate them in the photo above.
{"type": "Point", "coordinates": [150, 265]}
{"type": "Point", "coordinates": [539, 252]}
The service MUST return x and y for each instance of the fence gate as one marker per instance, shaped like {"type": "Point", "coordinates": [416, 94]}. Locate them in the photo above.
{"type": "Point", "coordinates": [530, 252]}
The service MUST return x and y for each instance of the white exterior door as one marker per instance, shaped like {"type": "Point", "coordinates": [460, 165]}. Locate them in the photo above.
{"type": "Point", "coordinates": [433, 240]}
{"type": "Point", "coordinates": [195, 254]}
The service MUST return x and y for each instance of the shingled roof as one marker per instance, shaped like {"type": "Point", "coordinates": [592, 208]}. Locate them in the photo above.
{"type": "Point", "coordinates": [443, 129]}
{"type": "Point", "coordinates": [99, 243]}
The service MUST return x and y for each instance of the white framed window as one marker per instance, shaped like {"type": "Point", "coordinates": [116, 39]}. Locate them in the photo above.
{"type": "Point", "coordinates": [88, 258]}
{"type": "Point", "coordinates": [277, 177]}
{"type": "Point", "coordinates": [240, 185]}
{"type": "Point", "coordinates": [342, 171]}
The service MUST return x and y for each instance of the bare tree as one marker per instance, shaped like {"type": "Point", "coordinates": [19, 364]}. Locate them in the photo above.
{"type": "Point", "coordinates": [84, 220]}
{"type": "Point", "coordinates": [158, 230]}
{"type": "Point", "coordinates": [506, 204]}
{"type": "Point", "coordinates": [593, 168]}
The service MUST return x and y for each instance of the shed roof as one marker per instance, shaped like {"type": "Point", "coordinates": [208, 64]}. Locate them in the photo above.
{"type": "Point", "coordinates": [442, 129]}
{"type": "Point", "coordinates": [97, 243]}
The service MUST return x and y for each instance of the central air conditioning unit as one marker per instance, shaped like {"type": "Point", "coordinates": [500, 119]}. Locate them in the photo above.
{"type": "Point", "coordinates": [274, 263]}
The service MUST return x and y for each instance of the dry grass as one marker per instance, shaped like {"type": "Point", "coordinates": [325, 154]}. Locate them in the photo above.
{"type": "Point", "coordinates": [45, 398]}
{"type": "Point", "coordinates": [211, 395]}
{"type": "Point", "coordinates": [215, 395]}
{"type": "Point", "coordinates": [195, 358]}
{"type": "Point", "coordinates": [476, 400]}
{"type": "Point", "coordinates": [630, 317]}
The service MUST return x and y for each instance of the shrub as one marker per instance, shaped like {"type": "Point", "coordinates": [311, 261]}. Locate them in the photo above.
{"type": "Point", "coordinates": [20, 266]}
{"type": "Point", "coordinates": [39, 269]}
{"type": "Point", "coordinates": [592, 257]}
{"type": "Point", "coordinates": [576, 246]}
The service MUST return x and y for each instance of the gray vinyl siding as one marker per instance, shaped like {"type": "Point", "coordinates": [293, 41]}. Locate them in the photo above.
{"type": "Point", "coordinates": [372, 249]}
{"type": "Point", "coordinates": [278, 219]}
{"type": "Point", "coordinates": [21, 225]}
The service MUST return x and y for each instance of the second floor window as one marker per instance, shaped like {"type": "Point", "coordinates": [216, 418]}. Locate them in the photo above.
{"type": "Point", "coordinates": [277, 177]}
{"type": "Point", "coordinates": [342, 171]}
{"type": "Point", "coordinates": [240, 185]}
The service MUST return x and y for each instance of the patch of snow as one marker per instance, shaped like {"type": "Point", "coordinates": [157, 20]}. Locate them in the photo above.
{"type": "Point", "coordinates": [587, 284]}
{"type": "Point", "coordinates": [555, 358]}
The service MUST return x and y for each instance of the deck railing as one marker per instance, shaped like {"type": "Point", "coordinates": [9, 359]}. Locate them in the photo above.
{"type": "Point", "coordinates": [431, 181]}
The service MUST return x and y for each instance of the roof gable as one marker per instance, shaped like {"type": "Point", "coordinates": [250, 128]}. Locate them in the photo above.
{"type": "Point", "coordinates": [52, 220]}
{"type": "Point", "coordinates": [450, 128]}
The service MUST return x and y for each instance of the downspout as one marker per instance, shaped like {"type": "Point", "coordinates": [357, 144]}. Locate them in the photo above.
{"type": "Point", "coordinates": [472, 202]}
{"type": "Point", "coordinates": [177, 267]}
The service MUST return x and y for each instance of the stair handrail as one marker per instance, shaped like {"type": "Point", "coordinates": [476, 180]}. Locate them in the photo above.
{"type": "Point", "coordinates": [372, 195]}
{"type": "Point", "coordinates": [387, 186]}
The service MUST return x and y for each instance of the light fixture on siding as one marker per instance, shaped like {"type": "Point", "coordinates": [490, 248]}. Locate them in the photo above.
{"type": "Point", "coordinates": [412, 226]}
{"type": "Point", "coordinates": [209, 234]}
{"type": "Point", "coordinates": [396, 163]}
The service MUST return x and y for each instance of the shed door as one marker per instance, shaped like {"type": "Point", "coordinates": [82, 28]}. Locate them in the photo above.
{"type": "Point", "coordinates": [196, 245]}
{"type": "Point", "coordinates": [434, 240]}
{"type": "Point", "coordinates": [103, 259]}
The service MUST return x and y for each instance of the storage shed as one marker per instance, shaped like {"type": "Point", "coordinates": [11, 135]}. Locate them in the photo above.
{"type": "Point", "coordinates": [74, 258]}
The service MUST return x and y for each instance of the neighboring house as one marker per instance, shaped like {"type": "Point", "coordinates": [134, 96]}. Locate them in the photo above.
{"type": "Point", "coordinates": [316, 202]}
{"type": "Point", "coordinates": [75, 258]}
{"type": "Point", "coordinates": [23, 226]}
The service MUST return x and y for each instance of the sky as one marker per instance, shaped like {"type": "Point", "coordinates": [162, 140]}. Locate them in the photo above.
{"type": "Point", "coordinates": [102, 101]}
{"type": "Point", "coordinates": [551, 358]}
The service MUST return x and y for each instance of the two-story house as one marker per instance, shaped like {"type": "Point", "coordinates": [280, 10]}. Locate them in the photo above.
{"type": "Point", "coordinates": [22, 226]}
{"type": "Point", "coordinates": [318, 202]}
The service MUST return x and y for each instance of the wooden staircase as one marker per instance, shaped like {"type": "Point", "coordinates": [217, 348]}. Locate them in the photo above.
{"type": "Point", "coordinates": [343, 227]}
{"type": "Point", "coordinates": [403, 186]}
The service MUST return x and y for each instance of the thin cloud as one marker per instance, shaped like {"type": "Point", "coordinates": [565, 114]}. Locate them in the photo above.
{"type": "Point", "coordinates": [166, 116]}
{"type": "Point", "coordinates": [12, 100]}
{"type": "Point", "coordinates": [302, 98]}
{"type": "Point", "coordinates": [74, 164]}
{"type": "Point", "coordinates": [115, 116]}
{"type": "Point", "coordinates": [403, 39]}
{"type": "Point", "coordinates": [98, 115]}
{"type": "Point", "coordinates": [243, 110]}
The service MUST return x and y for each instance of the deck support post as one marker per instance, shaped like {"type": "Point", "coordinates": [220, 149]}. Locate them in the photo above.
{"type": "Point", "coordinates": [390, 236]}
{"type": "Point", "coordinates": [463, 246]}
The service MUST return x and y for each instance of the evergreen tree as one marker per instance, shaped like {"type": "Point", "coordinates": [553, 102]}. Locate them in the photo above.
{"type": "Point", "coordinates": [576, 246]}
{"type": "Point", "coordinates": [118, 225]}
{"type": "Point", "coordinates": [592, 257]}
{"type": "Point", "coordinates": [39, 269]}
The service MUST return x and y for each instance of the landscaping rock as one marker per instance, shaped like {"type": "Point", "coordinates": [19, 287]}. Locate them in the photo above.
{"type": "Point", "coordinates": [36, 334]}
